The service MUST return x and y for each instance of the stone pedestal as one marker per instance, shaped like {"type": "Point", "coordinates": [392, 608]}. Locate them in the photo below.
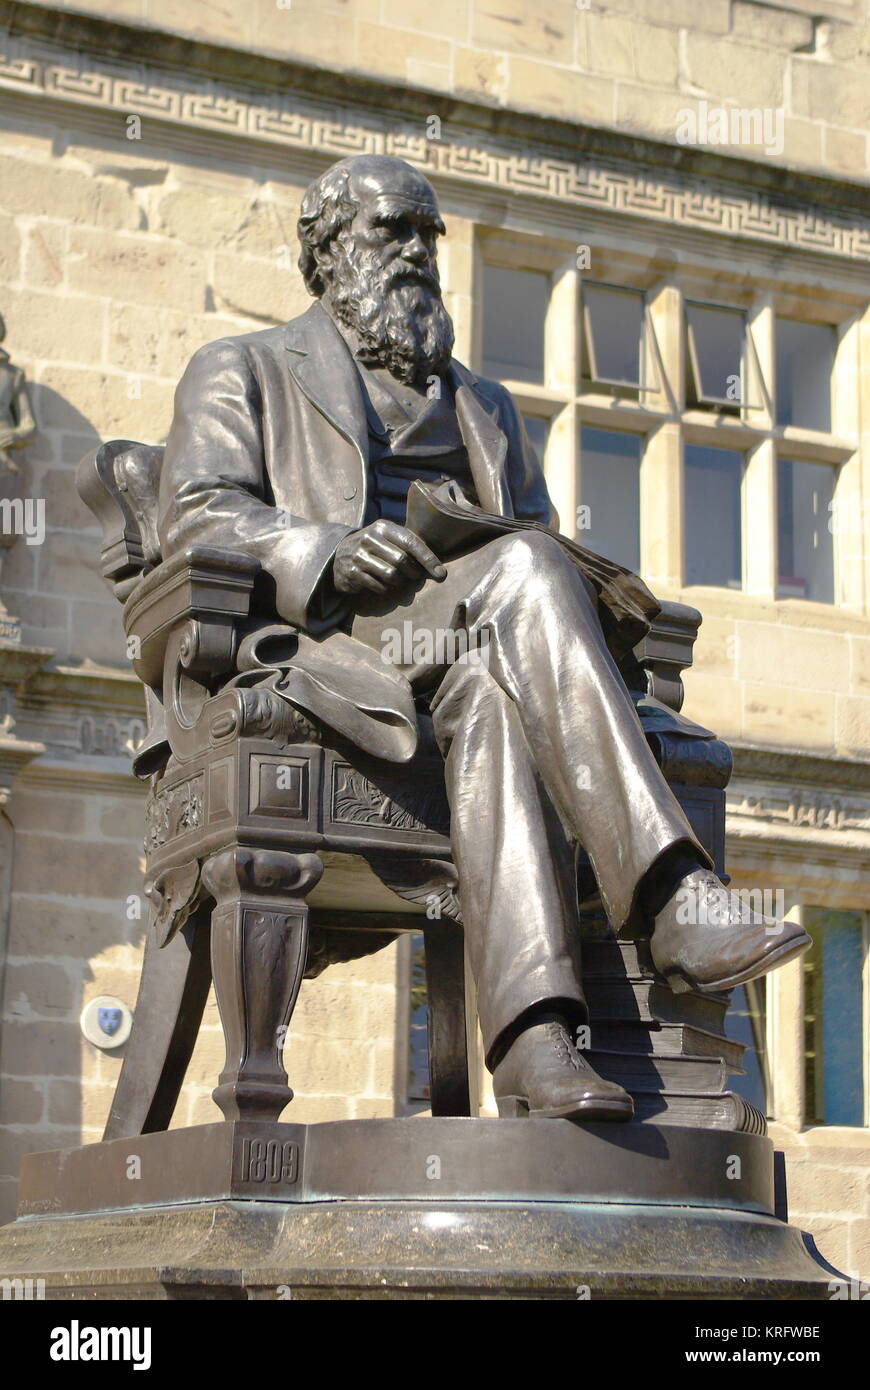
{"type": "Point", "coordinates": [412, 1208]}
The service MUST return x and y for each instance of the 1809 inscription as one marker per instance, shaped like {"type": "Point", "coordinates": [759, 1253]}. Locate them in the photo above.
{"type": "Point", "coordinates": [271, 1160]}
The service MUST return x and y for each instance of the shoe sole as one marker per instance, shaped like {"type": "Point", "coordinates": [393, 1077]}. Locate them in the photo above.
{"type": "Point", "coordinates": [517, 1108]}
{"type": "Point", "coordinates": [681, 983]}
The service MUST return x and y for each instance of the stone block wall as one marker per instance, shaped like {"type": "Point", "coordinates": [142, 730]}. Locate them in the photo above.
{"type": "Point", "coordinates": [76, 864]}
{"type": "Point", "coordinates": [828, 1192]}
{"type": "Point", "coordinates": [765, 672]}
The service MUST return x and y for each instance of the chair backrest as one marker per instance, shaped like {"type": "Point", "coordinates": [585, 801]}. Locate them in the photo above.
{"type": "Point", "coordinates": [119, 482]}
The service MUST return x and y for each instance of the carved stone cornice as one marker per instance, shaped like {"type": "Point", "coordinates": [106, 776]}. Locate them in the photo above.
{"type": "Point", "coordinates": [788, 807]}
{"type": "Point", "coordinates": [206, 89]}
{"type": "Point", "coordinates": [15, 754]}
{"type": "Point", "coordinates": [800, 807]}
{"type": "Point", "coordinates": [797, 765]}
{"type": "Point", "coordinates": [70, 713]}
{"type": "Point", "coordinates": [88, 686]}
{"type": "Point", "coordinates": [19, 664]}
{"type": "Point", "coordinates": [85, 773]}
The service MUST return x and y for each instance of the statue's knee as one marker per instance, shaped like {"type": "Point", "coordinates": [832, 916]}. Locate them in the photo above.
{"type": "Point", "coordinates": [541, 573]}
{"type": "Point", "coordinates": [532, 554]}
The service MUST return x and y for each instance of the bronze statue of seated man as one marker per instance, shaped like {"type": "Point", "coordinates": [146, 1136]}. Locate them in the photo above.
{"type": "Point", "coordinates": [298, 445]}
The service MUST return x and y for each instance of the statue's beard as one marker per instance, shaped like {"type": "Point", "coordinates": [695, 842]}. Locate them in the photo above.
{"type": "Point", "coordinates": [396, 313]}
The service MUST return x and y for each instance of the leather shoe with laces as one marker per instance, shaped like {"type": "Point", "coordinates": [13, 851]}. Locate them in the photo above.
{"type": "Point", "coordinates": [544, 1076]}
{"type": "Point", "coordinates": [706, 940]}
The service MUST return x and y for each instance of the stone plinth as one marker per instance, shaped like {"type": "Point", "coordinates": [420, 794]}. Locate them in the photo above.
{"type": "Point", "coordinates": [412, 1208]}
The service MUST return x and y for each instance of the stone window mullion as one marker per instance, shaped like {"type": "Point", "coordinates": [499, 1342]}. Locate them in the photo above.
{"type": "Point", "coordinates": [785, 1035]}
{"type": "Point", "coordinates": [661, 477]}
{"type": "Point", "coordinates": [759, 479]}
{"type": "Point", "coordinates": [563, 473]}
{"type": "Point", "coordinates": [562, 357]}
{"type": "Point", "coordinates": [851, 420]}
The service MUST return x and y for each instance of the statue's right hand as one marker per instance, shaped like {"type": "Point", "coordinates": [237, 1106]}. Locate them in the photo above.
{"type": "Point", "coordinates": [381, 557]}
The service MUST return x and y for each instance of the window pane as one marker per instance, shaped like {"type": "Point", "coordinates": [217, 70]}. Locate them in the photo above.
{"type": "Point", "coordinates": [713, 516]}
{"type": "Point", "coordinates": [514, 309]}
{"type": "Point", "coordinates": [804, 363]}
{"type": "Point", "coordinates": [714, 342]}
{"type": "Point", "coordinates": [610, 490]}
{"type": "Point", "coordinates": [613, 335]}
{"type": "Point", "coordinates": [834, 1018]}
{"type": "Point", "coordinates": [537, 428]}
{"type": "Point", "coordinates": [805, 544]}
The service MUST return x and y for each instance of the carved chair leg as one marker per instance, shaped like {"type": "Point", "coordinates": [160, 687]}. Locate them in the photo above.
{"type": "Point", "coordinates": [259, 944]}
{"type": "Point", "coordinates": [445, 990]}
{"type": "Point", "coordinates": [172, 993]}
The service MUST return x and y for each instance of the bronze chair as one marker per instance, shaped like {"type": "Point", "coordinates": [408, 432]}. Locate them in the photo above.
{"type": "Point", "coordinates": [273, 848]}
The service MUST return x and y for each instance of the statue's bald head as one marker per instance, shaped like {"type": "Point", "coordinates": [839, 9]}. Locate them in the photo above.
{"type": "Point", "coordinates": [368, 230]}
{"type": "Point", "coordinates": [333, 200]}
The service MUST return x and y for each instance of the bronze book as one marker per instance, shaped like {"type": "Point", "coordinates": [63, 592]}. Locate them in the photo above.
{"type": "Point", "coordinates": [441, 515]}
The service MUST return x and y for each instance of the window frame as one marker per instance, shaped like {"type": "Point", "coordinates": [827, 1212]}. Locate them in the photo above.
{"type": "Point", "coordinates": [529, 269]}
{"type": "Point", "coordinates": [810, 323]}
{"type": "Point", "coordinates": [570, 402]}
{"type": "Point", "coordinates": [817, 1105]}
{"type": "Point", "coordinates": [634, 434]}
{"type": "Point", "coordinates": [741, 586]}
{"type": "Point", "coordinates": [587, 343]}
{"type": "Point", "coordinates": [733, 408]}
{"type": "Point", "coordinates": [783, 456]}
{"type": "Point", "coordinates": [786, 1005]}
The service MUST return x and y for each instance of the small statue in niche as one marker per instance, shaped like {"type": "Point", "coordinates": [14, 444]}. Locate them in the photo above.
{"type": "Point", "coordinates": [17, 427]}
{"type": "Point", "coordinates": [17, 424]}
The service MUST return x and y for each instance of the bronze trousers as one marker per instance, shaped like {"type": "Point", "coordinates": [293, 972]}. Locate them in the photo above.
{"type": "Point", "coordinates": [543, 751]}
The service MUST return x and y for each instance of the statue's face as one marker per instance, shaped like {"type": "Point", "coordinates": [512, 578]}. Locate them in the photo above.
{"type": "Point", "coordinates": [381, 274]}
{"type": "Point", "coordinates": [395, 230]}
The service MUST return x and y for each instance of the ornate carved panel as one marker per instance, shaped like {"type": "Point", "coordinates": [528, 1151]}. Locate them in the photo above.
{"type": "Point", "coordinates": [357, 801]}
{"type": "Point", "coordinates": [174, 811]}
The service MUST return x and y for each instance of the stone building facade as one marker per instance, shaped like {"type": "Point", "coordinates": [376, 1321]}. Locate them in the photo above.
{"type": "Point", "coordinates": [152, 158]}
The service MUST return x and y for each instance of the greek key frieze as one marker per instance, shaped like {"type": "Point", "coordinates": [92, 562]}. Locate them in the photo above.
{"type": "Point", "coordinates": [499, 161]}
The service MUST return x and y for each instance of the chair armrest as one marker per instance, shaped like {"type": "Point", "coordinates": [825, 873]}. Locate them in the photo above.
{"type": "Point", "coordinates": [208, 588]}
{"type": "Point", "coordinates": [664, 653]}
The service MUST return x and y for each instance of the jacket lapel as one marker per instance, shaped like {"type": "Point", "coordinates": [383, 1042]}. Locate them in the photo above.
{"type": "Point", "coordinates": [323, 368]}
{"type": "Point", "coordinates": [485, 441]}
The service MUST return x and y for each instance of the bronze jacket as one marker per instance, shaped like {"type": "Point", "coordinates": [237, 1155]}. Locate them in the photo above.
{"type": "Point", "coordinates": [268, 454]}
